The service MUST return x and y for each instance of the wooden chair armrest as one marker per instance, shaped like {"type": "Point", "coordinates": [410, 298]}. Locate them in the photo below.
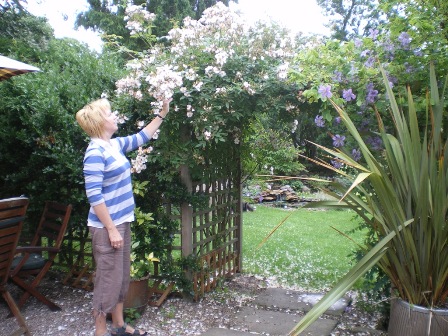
{"type": "Point", "coordinates": [31, 249]}
{"type": "Point", "coordinates": [9, 221]}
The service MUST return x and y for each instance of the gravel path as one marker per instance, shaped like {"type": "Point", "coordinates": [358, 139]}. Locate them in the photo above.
{"type": "Point", "coordinates": [176, 317]}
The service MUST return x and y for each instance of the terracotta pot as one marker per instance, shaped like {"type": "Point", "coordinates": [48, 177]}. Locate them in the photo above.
{"type": "Point", "coordinates": [138, 292]}
{"type": "Point", "coordinates": [413, 320]}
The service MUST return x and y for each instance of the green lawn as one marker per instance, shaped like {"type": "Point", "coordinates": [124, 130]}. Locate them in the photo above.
{"type": "Point", "coordinates": [305, 252]}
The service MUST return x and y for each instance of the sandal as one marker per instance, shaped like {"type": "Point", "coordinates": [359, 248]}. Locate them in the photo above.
{"type": "Point", "coordinates": [121, 331]}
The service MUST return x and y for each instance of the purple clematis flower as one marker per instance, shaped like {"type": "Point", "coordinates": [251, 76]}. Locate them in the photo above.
{"type": "Point", "coordinates": [371, 94]}
{"type": "Point", "coordinates": [375, 142]}
{"type": "Point", "coordinates": [338, 140]}
{"type": "Point", "coordinates": [373, 33]}
{"type": "Point", "coordinates": [325, 91]}
{"type": "Point", "coordinates": [336, 163]}
{"type": "Point", "coordinates": [365, 53]}
{"type": "Point", "coordinates": [405, 40]}
{"type": "Point", "coordinates": [337, 120]}
{"type": "Point", "coordinates": [337, 76]}
{"type": "Point", "coordinates": [370, 62]}
{"type": "Point", "coordinates": [356, 154]}
{"type": "Point", "coordinates": [319, 121]}
{"type": "Point", "coordinates": [348, 95]}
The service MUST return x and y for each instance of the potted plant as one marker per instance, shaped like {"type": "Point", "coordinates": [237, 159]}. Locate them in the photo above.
{"type": "Point", "coordinates": [141, 257]}
{"type": "Point", "coordinates": [138, 292]}
{"type": "Point", "coordinates": [403, 197]}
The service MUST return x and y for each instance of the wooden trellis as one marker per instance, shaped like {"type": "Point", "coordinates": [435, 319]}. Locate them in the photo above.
{"type": "Point", "coordinates": [214, 233]}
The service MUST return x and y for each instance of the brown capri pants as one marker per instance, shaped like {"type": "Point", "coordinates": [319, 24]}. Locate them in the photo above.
{"type": "Point", "coordinates": [112, 273]}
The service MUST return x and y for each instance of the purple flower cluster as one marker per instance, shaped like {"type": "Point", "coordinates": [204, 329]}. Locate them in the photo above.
{"type": "Point", "coordinates": [325, 91]}
{"type": "Point", "coordinates": [405, 40]}
{"type": "Point", "coordinates": [371, 94]}
{"type": "Point", "coordinates": [337, 120]}
{"type": "Point", "coordinates": [365, 53]}
{"type": "Point", "coordinates": [373, 33]}
{"type": "Point", "coordinates": [319, 121]}
{"type": "Point", "coordinates": [418, 53]}
{"type": "Point", "coordinates": [336, 163]}
{"type": "Point", "coordinates": [337, 76]}
{"type": "Point", "coordinates": [375, 142]}
{"type": "Point", "coordinates": [356, 154]}
{"type": "Point", "coordinates": [370, 62]}
{"type": "Point", "coordinates": [338, 140]}
{"type": "Point", "coordinates": [348, 95]}
{"type": "Point", "coordinates": [408, 67]}
{"type": "Point", "coordinates": [388, 46]}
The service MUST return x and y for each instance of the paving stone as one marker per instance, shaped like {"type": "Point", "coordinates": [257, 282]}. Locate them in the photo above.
{"type": "Point", "coordinates": [288, 299]}
{"type": "Point", "coordinates": [277, 323]}
{"type": "Point", "coordinates": [260, 320]}
{"type": "Point", "coordinates": [226, 332]}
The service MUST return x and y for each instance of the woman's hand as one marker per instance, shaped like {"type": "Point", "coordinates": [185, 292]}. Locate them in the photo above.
{"type": "Point", "coordinates": [166, 107]}
{"type": "Point", "coordinates": [154, 125]}
{"type": "Point", "coordinates": [115, 238]}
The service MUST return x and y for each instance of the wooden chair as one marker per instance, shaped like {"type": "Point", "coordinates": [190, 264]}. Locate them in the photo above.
{"type": "Point", "coordinates": [12, 214]}
{"type": "Point", "coordinates": [35, 260]}
{"type": "Point", "coordinates": [158, 291]}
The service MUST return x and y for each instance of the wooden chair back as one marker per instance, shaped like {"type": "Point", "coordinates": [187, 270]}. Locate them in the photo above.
{"type": "Point", "coordinates": [38, 257]}
{"type": "Point", "coordinates": [52, 225]}
{"type": "Point", "coordinates": [12, 214]}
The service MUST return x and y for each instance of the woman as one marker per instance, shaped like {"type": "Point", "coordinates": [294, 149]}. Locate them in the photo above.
{"type": "Point", "coordinates": [109, 191]}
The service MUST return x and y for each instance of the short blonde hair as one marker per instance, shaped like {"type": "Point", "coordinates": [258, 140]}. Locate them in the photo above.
{"type": "Point", "coordinates": [91, 117]}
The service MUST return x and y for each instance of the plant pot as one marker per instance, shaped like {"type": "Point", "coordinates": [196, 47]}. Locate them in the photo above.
{"type": "Point", "coordinates": [413, 320]}
{"type": "Point", "coordinates": [137, 297]}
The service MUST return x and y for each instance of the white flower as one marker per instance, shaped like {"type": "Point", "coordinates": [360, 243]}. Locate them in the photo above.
{"type": "Point", "coordinates": [294, 126]}
{"type": "Point", "coordinates": [163, 82]}
{"type": "Point", "coordinates": [198, 85]}
{"type": "Point", "coordinates": [139, 163]}
{"type": "Point", "coordinates": [207, 135]}
{"type": "Point", "coordinates": [121, 118]}
{"type": "Point", "coordinates": [282, 71]}
{"type": "Point", "coordinates": [156, 134]}
{"type": "Point", "coordinates": [248, 89]}
{"type": "Point", "coordinates": [221, 57]}
{"type": "Point", "coordinates": [191, 75]}
{"type": "Point", "coordinates": [190, 111]}
{"type": "Point", "coordinates": [220, 90]}
{"type": "Point", "coordinates": [137, 18]}
{"type": "Point", "coordinates": [290, 107]}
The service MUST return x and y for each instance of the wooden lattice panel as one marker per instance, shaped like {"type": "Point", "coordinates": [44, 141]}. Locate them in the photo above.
{"type": "Point", "coordinates": [215, 226]}
{"type": "Point", "coordinates": [216, 265]}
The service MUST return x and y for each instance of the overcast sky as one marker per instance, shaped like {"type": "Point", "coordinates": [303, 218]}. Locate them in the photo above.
{"type": "Point", "coordinates": [297, 15]}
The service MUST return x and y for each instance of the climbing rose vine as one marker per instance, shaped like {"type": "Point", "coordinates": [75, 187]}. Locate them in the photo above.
{"type": "Point", "coordinates": [218, 72]}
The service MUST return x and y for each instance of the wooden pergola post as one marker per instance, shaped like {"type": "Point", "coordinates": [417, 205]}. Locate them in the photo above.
{"type": "Point", "coordinates": [239, 219]}
{"type": "Point", "coordinates": [186, 215]}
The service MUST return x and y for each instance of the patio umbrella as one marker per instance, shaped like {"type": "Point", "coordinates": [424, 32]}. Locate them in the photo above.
{"type": "Point", "coordinates": [10, 67]}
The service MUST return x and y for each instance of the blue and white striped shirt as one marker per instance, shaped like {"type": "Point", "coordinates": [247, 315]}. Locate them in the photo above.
{"type": "Point", "coordinates": [107, 177]}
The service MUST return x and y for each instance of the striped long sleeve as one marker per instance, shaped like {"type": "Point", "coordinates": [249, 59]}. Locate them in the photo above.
{"type": "Point", "coordinates": [107, 177]}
